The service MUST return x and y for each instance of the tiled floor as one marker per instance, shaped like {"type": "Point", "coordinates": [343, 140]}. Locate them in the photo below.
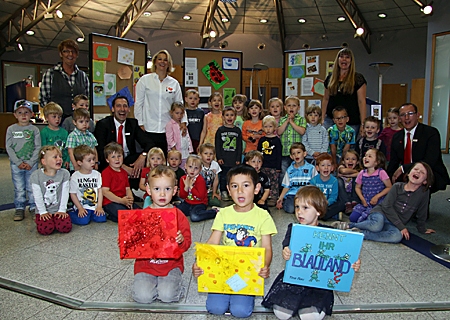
{"type": "Point", "coordinates": [85, 264]}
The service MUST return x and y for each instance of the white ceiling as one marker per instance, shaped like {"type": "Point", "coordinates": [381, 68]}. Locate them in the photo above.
{"type": "Point", "coordinates": [100, 16]}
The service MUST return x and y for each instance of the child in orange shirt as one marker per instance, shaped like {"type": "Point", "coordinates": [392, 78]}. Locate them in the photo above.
{"type": "Point", "coordinates": [252, 129]}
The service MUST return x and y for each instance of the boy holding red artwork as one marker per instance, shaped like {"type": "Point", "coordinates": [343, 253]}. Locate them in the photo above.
{"type": "Point", "coordinates": [161, 278]}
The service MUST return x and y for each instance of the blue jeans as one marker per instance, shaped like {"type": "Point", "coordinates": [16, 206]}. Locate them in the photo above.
{"type": "Point", "coordinates": [91, 216]}
{"type": "Point", "coordinates": [378, 228]}
{"type": "Point", "coordinates": [288, 204]}
{"type": "Point", "coordinates": [22, 187]}
{"type": "Point", "coordinates": [240, 306]}
{"type": "Point", "coordinates": [147, 287]}
{"type": "Point", "coordinates": [197, 212]}
{"type": "Point", "coordinates": [112, 209]}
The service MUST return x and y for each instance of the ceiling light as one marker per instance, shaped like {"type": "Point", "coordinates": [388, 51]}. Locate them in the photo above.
{"type": "Point", "coordinates": [427, 9]}
{"type": "Point", "coordinates": [30, 32]}
{"type": "Point", "coordinates": [359, 31]}
{"type": "Point", "coordinates": [147, 14]}
{"type": "Point", "coordinates": [212, 34]}
{"type": "Point", "coordinates": [186, 17]}
{"type": "Point", "coordinates": [382, 15]}
{"type": "Point", "coordinates": [59, 14]}
{"type": "Point", "coordinates": [301, 20]}
{"type": "Point", "coordinates": [341, 18]}
{"type": "Point", "coordinates": [80, 39]}
{"type": "Point", "coordinates": [19, 45]}
{"type": "Point", "coordinates": [263, 20]}
{"type": "Point", "coordinates": [225, 19]}
{"type": "Point", "coordinates": [48, 16]}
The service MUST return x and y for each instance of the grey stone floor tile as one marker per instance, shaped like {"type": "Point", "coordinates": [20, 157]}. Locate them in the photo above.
{"type": "Point", "coordinates": [17, 306]}
{"type": "Point", "coordinates": [53, 312]}
{"type": "Point", "coordinates": [82, 315]}
{"type": "Point", "coordinates": [390, 316]}
{"type": "Point", "coordinates": [440, 315]}
{"type": "Point", "coordinates": [96, 286]}
{"type": "Point", "coordinates": [137, 316]}
{"type": "Point", "coordinates": [106, 291]}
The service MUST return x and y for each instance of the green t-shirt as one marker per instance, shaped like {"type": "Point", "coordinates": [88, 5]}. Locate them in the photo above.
{"type": "Point", "coordinates": [57, 138]}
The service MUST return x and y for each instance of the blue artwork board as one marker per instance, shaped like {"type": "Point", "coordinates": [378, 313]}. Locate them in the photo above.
{"type": "Point", "coordinates": [322, 257]}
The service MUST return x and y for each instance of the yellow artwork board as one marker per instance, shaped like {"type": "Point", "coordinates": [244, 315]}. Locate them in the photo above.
{"type": "Point", "coordinates": [230, 270]}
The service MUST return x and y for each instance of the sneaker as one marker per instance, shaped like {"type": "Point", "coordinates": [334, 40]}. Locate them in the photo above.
{"type": "Point", "coordinates": [340, 214]}
{"type": "Point", "coordinates": [32, 212]}
{"type": "Point", "coordinates": [224, 196]}
{"type": "Point", "coordinates": [348, 208]}
{"type": "Point", "coordinates": [19, 215]}
{"type": "Point", "coordinates": [216, 208]}
{"type": "Point", "coordinates": [138, 193]}
{"type": "Point", "coordinates": [271, 203]}
{"type": "Point", "coordinates": [340, 225]}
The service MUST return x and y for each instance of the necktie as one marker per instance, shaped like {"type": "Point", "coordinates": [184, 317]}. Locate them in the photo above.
{"type": "Point", "coordinates": [120, 135]}
{"type": "Point", "coordinates": [407, 156]}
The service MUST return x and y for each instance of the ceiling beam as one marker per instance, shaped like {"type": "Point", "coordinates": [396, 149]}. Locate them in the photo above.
{"type": "Point", "coordinates": [357, 20]}
{"type": "Point", "coordinates": [130, 16]}
{"type": "Point", "coordinates": [22, 20]}
{"type": "Point", "coordinates": [281, 24]}
{"type": "Point", "coordinates": [207, 20]}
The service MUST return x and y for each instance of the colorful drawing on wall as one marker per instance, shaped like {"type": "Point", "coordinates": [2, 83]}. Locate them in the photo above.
{"type": "Point", "coordinates": [230, 63]}
{"type": "Point", "coordinates": [322, 257]}
{"type": "Point", "coordinates": [319, 87]}
{"type": "Point", "coordinates": [99, 94]}
{"type": "Point", "coordinates": [296, 72]}
{"type": "Point", "coordinates": [138, 72]}
{"type": "Point", "coordinates": [148, 234]}
{"type": "Point", "coordinates": [296, 59]}
{"type": "Point", "coordinates": [230, 270]}
{"type": "Point", "coordinates": [214, 73]}
{"type": "Point", "coordinates": [330, 66]}
{"type": "Point", "coordinates": [124, 72]}
{"type": "Point", "coordinates": [228, 94]}
{"type": "Point", "coordinates": [98, 70]}
{"type": "Point", "coordinates": [125, 56]}
{"type": "Point", "coordinates": [110, 84]}
{"type": "Point", "coordinates": [101, 51]}
{"type": "Point", "coordinates": [312, 65]}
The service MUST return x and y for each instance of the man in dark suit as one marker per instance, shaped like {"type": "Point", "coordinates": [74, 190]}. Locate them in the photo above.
{"type": "Point", "coordinates": [107, 130]}
{"type": "Point", "coordinates": [425, 145]}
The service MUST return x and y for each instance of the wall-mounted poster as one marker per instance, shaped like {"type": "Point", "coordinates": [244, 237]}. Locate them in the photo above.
{"type": "Point", "coordinates": [102, 51]}
{"type": "Point", "coordinates": [312, 65]}
{"type": "Point", "coordinates": [228, 94]}
{"type": "Point", "coordinates": [296, 59]}
{"type": "Point", "coordinates": [296, 71]}
{"type": "Point", "coordinates": [322, 257]}
{"type": "Point", "coordinates": [214, 73]}
{"type": "Point", "coordinates": [99, 94]}
{"type": "Point", "coordinates": [125, 56]}
{"type": "Point", "coordinates": [99, 68]}
{"type": "Point", "coordinates": [230, 63]}
{"type": "Point", "coordinates": [230, 270]}
{"type": "Point", "coordinates": [291, 87]}
{"type": "Point", "coordinates": [307, 86]}
{"type": "Point", "coordinates": [330, 66]}
{"type": "Point", "coordinates": [319, 87]}
{"type": "Point", "coordinates": [138, 72]}
{"type": "Point", "coordinates": [110, 83]}
{"type": "Point", "coordinates": [191, 78]}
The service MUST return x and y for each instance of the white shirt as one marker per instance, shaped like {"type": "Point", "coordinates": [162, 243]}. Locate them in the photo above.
{"type": "Point", "coordinates": [153, 101]}
{"type": "Point", "coordinates": [413, 130]}
{"type": "Point", "coordinates": [125, 147]}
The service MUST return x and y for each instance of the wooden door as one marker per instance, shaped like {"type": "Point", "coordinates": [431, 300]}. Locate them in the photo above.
{"type": "Point", "coordinates": [418, 94]}
{"type": "Point", "coordinates": [394, 95]}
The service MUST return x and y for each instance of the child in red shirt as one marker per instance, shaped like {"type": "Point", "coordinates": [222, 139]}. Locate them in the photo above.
{"type": "Point", "coordinates": [161, 278]}
{"type": "Point", "coordinates": [193, 191]}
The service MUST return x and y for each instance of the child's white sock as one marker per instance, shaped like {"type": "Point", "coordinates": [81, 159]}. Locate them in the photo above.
{"type": "Point", "coordinates": [310, 313]}
{"type": "Point", "coordinates": [282, 313]}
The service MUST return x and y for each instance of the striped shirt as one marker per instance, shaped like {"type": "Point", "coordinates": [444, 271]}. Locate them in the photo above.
{"type": "Point", "coordinates": [315, 139]}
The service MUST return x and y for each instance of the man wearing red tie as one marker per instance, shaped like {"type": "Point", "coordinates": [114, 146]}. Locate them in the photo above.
{"type": "Point", "coordinates": [417, 142]}
{"type": "Point", "coordinates": [126, 132]}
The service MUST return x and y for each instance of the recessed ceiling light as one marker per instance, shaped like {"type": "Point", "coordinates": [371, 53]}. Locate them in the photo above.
{"type": "Point", "coordinates": [147, 14]}
{"type": "Point", "coordinates": [301, 20]}
{"type": "Point", "coordinates": [212, 34]}
{"type": "Point", "coordinates": [341, 18]}
{"type": "Point", "coordinates": [186, 17]}
{"type": "Point", "coordinates": [382, 15]}
{"type": "Point", "coordinates": [80, 39]}
{"type": "Point", "coordinates": [360, 31]}
{"type": "Point", "coordinates": [427, 9]}
{"type": "Point", "coordinates": [263, 20]}
{"type": "Point", "coordinates": [225, 19]}
{"type": "Point", "coordinates": [19, 45]}
{"type": "Point", "coordinates": [59, 14]}
{"type": "Point", "coordinates": [30, 32]}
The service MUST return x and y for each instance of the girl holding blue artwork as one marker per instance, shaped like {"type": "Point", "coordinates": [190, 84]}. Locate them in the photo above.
{"type": "Point", "coordinates": [286, 299]}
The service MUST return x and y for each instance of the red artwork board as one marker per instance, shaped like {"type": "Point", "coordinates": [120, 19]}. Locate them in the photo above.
{"type": "Point", "coordinates": [148, 234]}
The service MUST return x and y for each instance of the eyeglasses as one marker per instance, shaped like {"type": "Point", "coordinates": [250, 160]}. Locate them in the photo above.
{"type": "Point", "coordinates": [340, 118]}
{"type": "Point", "coordinates": [409, 114]}
{"type": "Point", "coordinates": [65, 51]}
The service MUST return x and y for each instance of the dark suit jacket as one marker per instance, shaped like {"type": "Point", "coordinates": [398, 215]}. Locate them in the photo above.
{"type": "Point", "coordinates": [426, 147]}
{"type": "Point", "coordinates": [105, 132]}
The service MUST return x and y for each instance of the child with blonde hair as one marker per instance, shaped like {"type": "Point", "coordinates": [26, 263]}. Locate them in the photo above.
{"type": "Point", "coordinates": [392, 126]}
{"type": "Point", "coordinates": [195, 116]}
{"type": "Point", "coordinates": [174, 136]}
{"type": "Point", "coordinates": [276, 109]}
{"type": "Point", "coordinates": [213, 120]}
{"type": "Point", "coordinates": [347, 172]}
{"type": "Point", "coordinates": [210, 172]}
{"type": "Point", "coordinates": [155, 157]}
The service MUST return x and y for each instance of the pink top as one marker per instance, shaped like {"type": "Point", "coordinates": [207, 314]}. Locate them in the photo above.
{"type": "Point", "coordinates": [383, 175]}
{"type": "Point", "coordinates": [174, 139]}
{"type": "Point", "coordinates": [386, 136]}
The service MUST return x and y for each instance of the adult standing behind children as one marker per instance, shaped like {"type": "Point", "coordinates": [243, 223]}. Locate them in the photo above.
{"type": "Point", "coordinates": [64, 81]}
{"type": "Point", "coordinates": [345, 87]}
{"type": "Point", "coordinates": [155, 93]}
{"type": "Point", "coordinates": [23, 142]}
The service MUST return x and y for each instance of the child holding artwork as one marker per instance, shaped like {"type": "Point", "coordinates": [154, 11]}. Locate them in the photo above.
{"type": "Point", "coordinates": [23, 142]}
{"type": "Point", "coordinates": [387, 221]}
{"type": "Point", "coordinates": [195, 116]}
{"type": "Point", "coordinates": [155, 157]}
{"type": "Point", "coordinates": [255, 160]}
{"type": "Point", "coordinates": [210, 172]}
{"type": "Point", "coordinates": [275, 109]}
{"type": "Point", "coordinates": [241, 224]}
{"type": "Point", "coordinates": [213, 120]}
{"type": "Point", "coordinates": [370, 139]}
{"type": "Point", "coordinates": [80, 101]}
{"type": "Point", "coordinates": [291, 129]}
{"type": "Point", "coordinates": [315, 138]}
{"type": "Point", "coordinates": [298, 175]}
{"type": "Point", "coordinates": [348, 170]}
{"type": "Point", "coordinates": [162, 278]}
{"type": "Point", "coordinates": [391, 127]}
{"type": "Point", "coordinates": [270, 146]}
{"type": "Point", "coordinates": [193, 191]}
{"type": "Point", "coordinates": [86, 189]}
{"type": "Point", "coordinates": [228, 147]}
{"type": "Point", "coordinates": [50, 186]}
{"type": "Point", "coordinates": [288, 300]}
{"type": "Point", "coordinates": [372, 184]}
{"type": "Point", "coordinates": [252, 128]}
{"type": "Point", "coordinates": [328, 183]}
{"type": "Point", "coordinates": [174, 136]}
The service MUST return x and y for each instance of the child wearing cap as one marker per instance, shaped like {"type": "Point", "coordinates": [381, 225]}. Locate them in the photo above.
{"type": "Point", "coordinates": [23, 142]}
